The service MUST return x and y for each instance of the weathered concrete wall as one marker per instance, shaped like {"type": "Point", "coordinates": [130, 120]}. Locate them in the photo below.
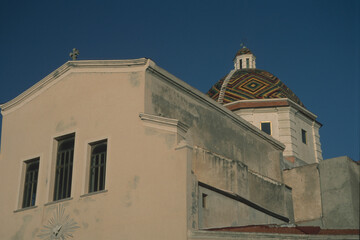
{"type": "Point", "coordinates": [326, 194]}
{"type": "Point", "coordinates": [217, 130]}
{"type": "Point", "coordinates": [339, 178]}
{"type": "Point", "coordinates": [234, 176]}
{"type": "Point", "coordinates": [305, 184]}
{"type": "Point", "coordinates": [222, 211]}
{"type": "Point", "coordinates": [210, 129]}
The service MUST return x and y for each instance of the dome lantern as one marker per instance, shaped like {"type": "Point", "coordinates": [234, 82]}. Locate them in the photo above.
{"type": "Point", "coordinates": [244, 59]}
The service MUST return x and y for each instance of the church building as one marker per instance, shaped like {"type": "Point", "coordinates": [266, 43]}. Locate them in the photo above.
{"type": "Point", "coordinates": [123, 149]}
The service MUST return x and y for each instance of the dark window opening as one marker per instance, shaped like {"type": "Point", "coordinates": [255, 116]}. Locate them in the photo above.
{"type": "Point", "coordinates": [266, 127]}
{"type": "Point", "coordinates": [31, 179]}
{"type": "Point", "coordinates": [240, 63]}
{"type": "Point", "coordinates": [247, 63]}
{"type": "Point", "coordinates": [204, 200]}
{"type": "Point", "coordinates": [97, 166]}
{"type": "Point", "coordinates": [303, 135]}
{"type": "Point", "coordinates": [64, 166]}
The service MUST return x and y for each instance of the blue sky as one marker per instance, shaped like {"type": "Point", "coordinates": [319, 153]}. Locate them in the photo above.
{"type": "Point", "coordinates": [312, 46]}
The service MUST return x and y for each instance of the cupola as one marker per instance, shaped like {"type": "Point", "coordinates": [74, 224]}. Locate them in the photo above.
{"type": "Point", "coordinates": [244, 59]}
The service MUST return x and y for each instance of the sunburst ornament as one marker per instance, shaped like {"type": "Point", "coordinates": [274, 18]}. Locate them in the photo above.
{"type": "Point", "coordinates": [59, 227]}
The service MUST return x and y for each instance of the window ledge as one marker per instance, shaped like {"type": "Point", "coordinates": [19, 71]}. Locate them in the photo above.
{"type": "Point", "coordinates": [58, 201]}
{"type": "Point", "coordinates": [24, 209]}
{"type": "Point", "coordinates": [94, 193]}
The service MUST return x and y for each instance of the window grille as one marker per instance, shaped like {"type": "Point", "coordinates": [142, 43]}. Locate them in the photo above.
{"type": "Point", "coordinates": [31, 178]}
{"type": "Point", "coordinates": [64, 165]}
{"type": "Point", "coordinates": [98, 166]}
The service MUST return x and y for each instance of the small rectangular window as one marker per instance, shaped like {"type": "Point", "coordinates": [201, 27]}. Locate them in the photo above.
{"type": "Point", "coordinates": [31, 179]}
{"type": "Point", "coordinates": [64, 167]}
{"type": "Point", "coordinates": [204, 200]}
{"type": "Point", "coordinates": [303, 135]}
{"type": "Point", "coordinates": [97, 166]}
{"type": "Point", "coordinates": [240, 63]}
{"type": "Point", "coordinates": [266, 127]}
{"type": "Point", "coordinates": [247, 63]}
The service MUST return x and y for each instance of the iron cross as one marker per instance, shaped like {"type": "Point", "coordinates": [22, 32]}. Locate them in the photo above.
{"type": "Point", "coordinates": [74, 54]}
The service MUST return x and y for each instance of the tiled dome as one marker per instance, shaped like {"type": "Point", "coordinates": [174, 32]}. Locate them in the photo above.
{"type": "Point", "coordinates": [251, 83]}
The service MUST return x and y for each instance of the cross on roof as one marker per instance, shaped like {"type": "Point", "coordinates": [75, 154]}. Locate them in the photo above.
{"type": "Point", "coordinates": [74, 54]}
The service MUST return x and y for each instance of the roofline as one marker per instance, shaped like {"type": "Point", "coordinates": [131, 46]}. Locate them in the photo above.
{"type": "Point", "coordinates": [150, 66]}
{"type": "Point", "coordinates": [201, 97]}
{"type": "Point", "coordinates": [63, 69]}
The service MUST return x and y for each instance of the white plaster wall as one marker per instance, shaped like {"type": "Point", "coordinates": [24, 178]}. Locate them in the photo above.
{"type": "Point", "coordinates": [256, 116]}
{"type": "Point", "coordinates": [306, 150]}
{"type": "Point", "coordinates": [286, 125]}
{"type": "Point", "coordinates": [251, 57]}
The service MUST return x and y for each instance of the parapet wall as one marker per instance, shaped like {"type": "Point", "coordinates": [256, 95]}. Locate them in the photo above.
{"type": "Point", "coordinates": [326, 194]}
{"type": "Point", "coordinates": [235, 178]}
{"type": "Point", "coordinates": [339, 178]}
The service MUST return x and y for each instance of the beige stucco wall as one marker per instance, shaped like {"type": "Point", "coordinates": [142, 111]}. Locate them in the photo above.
{"type": "Point", "coordinates": [146, 177]}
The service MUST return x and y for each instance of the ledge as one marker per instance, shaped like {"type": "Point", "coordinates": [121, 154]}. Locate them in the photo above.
{"type": "Point", "coordinates": [93, 193]}
{"type": "Point", "coordinates": [58, 201]}
{"type": "Point", "coordinates": [25, 209]}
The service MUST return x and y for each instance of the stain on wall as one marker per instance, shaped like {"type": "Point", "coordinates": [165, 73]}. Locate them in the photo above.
{"type": "Point", "coordinates": [20, 233]}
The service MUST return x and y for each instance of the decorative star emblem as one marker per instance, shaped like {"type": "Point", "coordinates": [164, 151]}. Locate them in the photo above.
{"type": "Point", "coordinates": [59, 227]}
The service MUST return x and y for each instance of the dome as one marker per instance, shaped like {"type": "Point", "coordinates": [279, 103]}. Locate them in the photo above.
{"type": "Point", "coordinates": [250, 83]}
{"type": "Point", "coordinates": [242, 51]}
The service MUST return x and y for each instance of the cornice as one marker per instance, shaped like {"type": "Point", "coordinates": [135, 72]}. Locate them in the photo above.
{"type": "Point", "coordinates": [269, 103]}
{"type": "Point", "coordinates": [164, 121]}
{"type": "Point", "coordinates": [62, 70]}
